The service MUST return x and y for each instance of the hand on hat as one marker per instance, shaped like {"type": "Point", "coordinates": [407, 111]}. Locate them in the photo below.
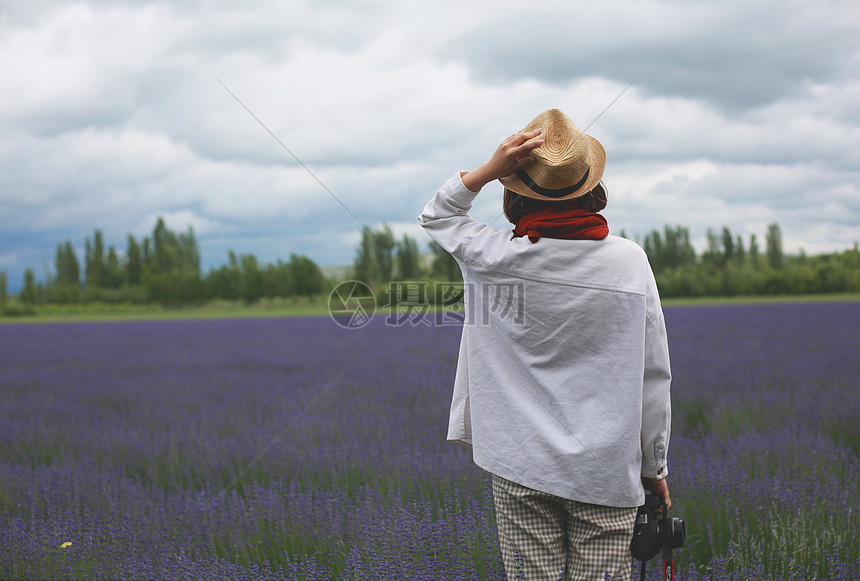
{"type": "Point", "coordinates": [511, 156]}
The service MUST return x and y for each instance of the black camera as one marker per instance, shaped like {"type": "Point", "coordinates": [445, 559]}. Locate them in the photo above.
{"type": "Point", "coordinates": [653, 532]}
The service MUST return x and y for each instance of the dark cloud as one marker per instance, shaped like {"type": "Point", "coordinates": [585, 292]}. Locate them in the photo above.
{"type": "Point", "coordinates": [738, 57]}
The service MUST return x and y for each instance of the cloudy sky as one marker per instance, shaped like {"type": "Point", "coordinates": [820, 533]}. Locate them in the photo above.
{"type": "Point", "coordinates": [741, 114]}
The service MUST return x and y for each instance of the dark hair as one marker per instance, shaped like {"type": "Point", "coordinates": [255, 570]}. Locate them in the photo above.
{"type": "Point", "coordinates": [516, 206]}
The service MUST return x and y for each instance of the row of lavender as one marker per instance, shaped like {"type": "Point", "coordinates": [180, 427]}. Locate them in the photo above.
{"type": "Point", "coordinates": [121, 444]}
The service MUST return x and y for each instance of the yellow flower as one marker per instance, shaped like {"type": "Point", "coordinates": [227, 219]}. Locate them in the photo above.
{"type": "Point", "coordinates": [65, 545]}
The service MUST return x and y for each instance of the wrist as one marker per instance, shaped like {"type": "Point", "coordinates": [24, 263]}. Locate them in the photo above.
{"type": "Point", "coordinates": [476, 179]}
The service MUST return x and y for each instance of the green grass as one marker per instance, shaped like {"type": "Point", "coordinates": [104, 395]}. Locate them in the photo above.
{"type": "Point", "coordinates": [761, 299]}
{"type": "Point", "coordinates": [315, 307]}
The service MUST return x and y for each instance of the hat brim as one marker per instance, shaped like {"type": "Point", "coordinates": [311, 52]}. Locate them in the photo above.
{"type": "Point", "coordinates": [596, 165]}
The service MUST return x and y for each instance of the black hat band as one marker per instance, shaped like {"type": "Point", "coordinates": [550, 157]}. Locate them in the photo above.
{"type": "Point", "coordinates": [550, 193]}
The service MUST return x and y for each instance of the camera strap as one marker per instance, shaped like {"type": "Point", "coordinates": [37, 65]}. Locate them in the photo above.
{"type": "Point", "coordinates": [668, 563]}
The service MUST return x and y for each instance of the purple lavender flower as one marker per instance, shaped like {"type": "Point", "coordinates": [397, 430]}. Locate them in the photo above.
{"type": "Point", "coordinates": [126, 440]}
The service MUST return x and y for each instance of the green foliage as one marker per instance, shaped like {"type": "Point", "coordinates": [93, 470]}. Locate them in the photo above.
{"type": "Point", "coordinates": [408, 266]}
{"type": "Point", "coordinates": [173, 253]}
{"type": "Point", "coordinates": [28, 294]}
{"type": "Point", "coordinates": [94, 270]}
{"type": "Point", "coordinates": [727, 269]}
{"type": "Point", "coordinates": [16, 309]}
{"type": "Point", "coordinates": [114, 272]}
{"type": "Point", "coordinates": [307, 278]}
{"type": "Point", "coordinates": [3, 288]}
{"type": "Point", "coordinates": [774, 246]}
{"type": "Point", "coordinates": [444, 265]}
{"type": "Point", "coordinates": [383, 248]}
{"type": "Point", "coordinates": [63, 294]}
{"type": "Point", "coordinates": [165, 268]}
{"type": "Point", "coordinates": [366, 269]}
{"type": "Point", "coordinates": [244, 279]}
{"type": "Point", "coordinates": [174, 287]}
{"type": "Point", "coordinates": [103, 270]}
{"type": "Point", "coordinates": [380, 258]}
{"type": "Point", "coordinates": [251, 282]}
{"type": "Point", "coordinates": [672, 250]}
{"type": "Point", "coordinates": [171, 269]}
{"type": "Point", "coordinates": [134, 261]}
{"type": "Point", "coordinates": [66, 263]}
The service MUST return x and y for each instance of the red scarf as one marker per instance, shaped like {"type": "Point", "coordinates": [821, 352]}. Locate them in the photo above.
{"type": "Point", "coordinates": [569, 224]}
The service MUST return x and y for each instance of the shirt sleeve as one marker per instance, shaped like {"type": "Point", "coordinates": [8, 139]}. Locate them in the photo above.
{"type": "Point", "coordinates": [656, 403]}
{"type": "Point", "coordinates": [446, 217]}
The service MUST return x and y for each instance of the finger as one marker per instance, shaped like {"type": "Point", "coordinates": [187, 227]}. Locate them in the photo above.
{"type": "Point", "coordinates": [530, 145]}
{"type": "Point", "coordinates": [531, 134]}
{"type": "Point", "coordinates": [520, 138]}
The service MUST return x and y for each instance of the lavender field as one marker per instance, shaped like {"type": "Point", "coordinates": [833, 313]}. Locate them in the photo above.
{"type": "Point", "coordinates": [296, 449]}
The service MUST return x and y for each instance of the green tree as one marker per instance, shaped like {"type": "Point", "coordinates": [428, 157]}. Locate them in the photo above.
{"type": "Point", "coordinates": [444, 265]}
{"type": "Point", "coordinates": [28, 293]}
{"type": "Point", "coordinates": [114, 273]}
{"type": "Point", "coordinates": [653, 246]}
{"type": "Point", "coordinates": [307, 278]}
{"type": "Point", "coordinates": [365, 266]}
{"type": "Point", "coordinates": [671, 250]}
{"type": "Point", "coordinates": [754, 253]}
{"type": "Point", "coordinates": [774, 246]}
{"type": "Point", "coordinates": [383, 250]}
{"type": "Point", "coordinates": [94, 269]}
{"type": "Point", "coordinates": [278, 280]}
{"type": "Point", "coordinates": [134, 261]}
{"type": "Point", "coordinates": [4, 283]}
{"type": "Point", "coordinates": [66, 284]}
{"type": "Point", "coordinates": [251, 279]}
{"type": "Point", "coordinates": [728, 245]}
{"type": "Point", "coordinates": [226, 281]}
{"type": "Point", "coordinates": [147, 253]}
{"type": "Point", "coordinates": [407, 258]}
{"type": "Point", "coordinates": [374, 260]}
{"type": "Point", "coordinates": [174, 253]}
{"type": "Point", "coordinates": [714, 254]}
{"type": "Point", "coordinates": [66, 264]}
{"type": "Point", "coordinates": [171, 271]}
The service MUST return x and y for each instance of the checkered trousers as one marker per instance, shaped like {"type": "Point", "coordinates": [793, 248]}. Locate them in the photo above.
{"type": "Point", "coordinates": [547, 538]}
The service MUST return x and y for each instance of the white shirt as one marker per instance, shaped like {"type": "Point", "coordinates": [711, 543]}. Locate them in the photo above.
{"type": "Point", "coordinates": [563, 376]}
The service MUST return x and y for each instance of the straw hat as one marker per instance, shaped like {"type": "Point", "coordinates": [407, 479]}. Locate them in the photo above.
{"type": "Point", "coordinates": [569, 163]}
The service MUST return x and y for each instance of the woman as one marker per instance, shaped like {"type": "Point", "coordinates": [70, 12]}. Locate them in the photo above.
{"type": "Point", "coordinates": [562, 382]}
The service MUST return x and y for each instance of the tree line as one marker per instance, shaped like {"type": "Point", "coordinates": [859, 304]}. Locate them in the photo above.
{"type": "Point", "coordinates": [380, 260]}
{"type": "Point", "coordinates": [729, 266]}
{"type": "Point", "coordinates": [162, 268]}
{"type": "Point", "coordinates": [165, 268]}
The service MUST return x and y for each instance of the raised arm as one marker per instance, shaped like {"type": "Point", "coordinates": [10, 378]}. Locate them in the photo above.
{"type": "Point", "coordinates": [446, 216]}
{"type": "Point", "coordinates": [511, 156]}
